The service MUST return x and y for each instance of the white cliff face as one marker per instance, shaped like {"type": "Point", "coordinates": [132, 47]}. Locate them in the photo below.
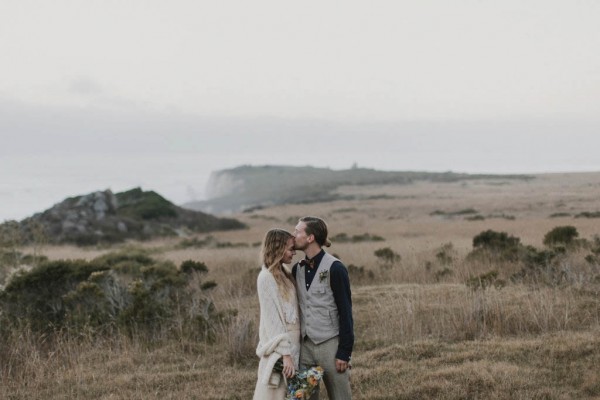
{"type": "Point", "coordinates": [222, 183]}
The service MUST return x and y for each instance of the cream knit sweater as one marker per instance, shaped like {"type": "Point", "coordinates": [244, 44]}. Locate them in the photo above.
{"type": "Point", "coordinates": [275, 314]}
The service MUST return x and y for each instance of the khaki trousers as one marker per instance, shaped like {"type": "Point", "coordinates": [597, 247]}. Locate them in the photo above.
{"type": "Point", "coordinates": [337, 384]}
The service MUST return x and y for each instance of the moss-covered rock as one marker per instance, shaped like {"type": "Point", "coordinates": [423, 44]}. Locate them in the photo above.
{"type": "Point", "coordinates": [104, 217]}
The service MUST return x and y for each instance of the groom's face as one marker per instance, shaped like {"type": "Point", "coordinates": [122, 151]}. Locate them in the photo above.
{"type": "Point", "coordinates": [301, 240]}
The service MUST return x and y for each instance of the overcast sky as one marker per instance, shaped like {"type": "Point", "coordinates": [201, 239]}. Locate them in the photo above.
{"type": "Point", "coordinates": [98, 94]}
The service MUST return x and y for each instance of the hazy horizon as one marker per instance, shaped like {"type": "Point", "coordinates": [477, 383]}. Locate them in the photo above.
{"type": "Point", "coordinates": [36, 174]}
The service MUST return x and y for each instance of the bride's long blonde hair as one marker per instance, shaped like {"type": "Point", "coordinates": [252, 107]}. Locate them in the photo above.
{"type": "Point", "coordinates": [273, 249]}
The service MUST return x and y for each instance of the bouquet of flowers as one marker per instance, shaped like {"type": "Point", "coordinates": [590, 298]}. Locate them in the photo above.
{"type": "Point", "coordinates": [302, 385]}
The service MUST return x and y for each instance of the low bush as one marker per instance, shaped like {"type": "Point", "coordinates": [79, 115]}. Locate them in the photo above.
{"type": "Point", "coordinates": [465, 211]}
{"type": "Point", "coordinates": [38, 296]}
{"type": "Point", "coordinates": [496, 241]}
{"type": "Point", "coordinates": [365, 237]}
{"type": "Point", "coordinates": [498, 246]}
{"type": "Point", "coordinates": [387, 257]}
{"type": "Point", "coordinates": [477, 217]}
{"type": "Point", "coordinates": [507, 217]}
{"type": "Point", "coordinates": [129, 291]}
{"type": "Point", "coordinates": [588, 214]}
{"type": "Point", "coordinates": [561, 236]}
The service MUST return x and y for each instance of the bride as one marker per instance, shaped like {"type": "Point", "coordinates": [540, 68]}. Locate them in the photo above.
{"type": "Point", "coordinates": [279, 332]}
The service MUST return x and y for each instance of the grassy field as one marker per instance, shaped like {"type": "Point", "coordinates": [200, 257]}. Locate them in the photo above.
{"type": "Point", "coordinates": [421, 332]}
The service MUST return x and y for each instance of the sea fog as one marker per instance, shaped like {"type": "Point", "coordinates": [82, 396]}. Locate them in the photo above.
{"type": "Point", "coordinates": [34, 183]}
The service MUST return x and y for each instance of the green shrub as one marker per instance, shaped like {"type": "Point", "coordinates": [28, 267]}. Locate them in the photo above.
{"type": "Point", "coordinates": [477, 217]}
{"type": "Point", "coordinates": [95, 302]}
{"type": "Point", "coordinates": [542, 266]}
{"type": "Point", "coordinates": [496, 241]}
{"type": "Point", "coordinates": [592, 259]}
{"type": "Point", "coordinates": [145, 205]}
{"type": "Point", "coordinates": [387, 256]}
{"type": "Point", "coordinates": [534, 258]}
{"type": "Point", "coordinates": [190, 266]}
{"type": "Point", "coordinates": [498, 246]}
{"type": "Point", "coordinates": [208, 285]}
{"type": "Point", "coordinates": [365, 237]}
{"type": "Point", "coordinates": [130, 291]}
{"type": "Point", "coordinates": [126, 262]}
{"type": "Point", "coordinates": [503, 216]}
{"type": "Point", "coordinates": [225, 245]}
{"type": "Point", "coordinates": [561, 236]}
{"type": "Point", "coordinates": [588, 214]}
{"type": "Point", "coordinates": [38, 295]}
{"type": "Point", "coordinates": [465, 211]}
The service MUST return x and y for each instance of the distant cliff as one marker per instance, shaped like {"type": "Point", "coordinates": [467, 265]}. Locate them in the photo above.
{"type": "Point", "coordinates": [105, 217]}
{"type": "Point", "coordinates": [244, 187]}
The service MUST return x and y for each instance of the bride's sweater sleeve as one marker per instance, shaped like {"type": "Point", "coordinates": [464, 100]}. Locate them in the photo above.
{"type": "Point", "coordinates": [273, 335]}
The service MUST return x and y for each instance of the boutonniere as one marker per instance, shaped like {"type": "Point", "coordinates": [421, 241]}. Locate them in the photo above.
{"type": "Point", "coordinates": [323, 275]}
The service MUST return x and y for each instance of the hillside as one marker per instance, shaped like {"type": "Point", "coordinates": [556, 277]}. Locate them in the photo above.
{"type": "Point", "coordinates": [105, 217]}
{"type": "Point", "coordinates": [247, 187]}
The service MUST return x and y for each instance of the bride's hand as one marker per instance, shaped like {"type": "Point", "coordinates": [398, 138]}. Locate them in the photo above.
{"type": "Point", "coordinates": [288, 367]}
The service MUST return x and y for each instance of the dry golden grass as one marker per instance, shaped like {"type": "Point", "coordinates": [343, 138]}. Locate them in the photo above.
{"type": "Point", "coordinates": [418, 335]}
{"type": "Point", "coordinates": [539, 367]}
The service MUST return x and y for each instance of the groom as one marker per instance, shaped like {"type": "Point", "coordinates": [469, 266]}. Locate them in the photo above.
{"type": "Point", "coordinates": [325, 303]}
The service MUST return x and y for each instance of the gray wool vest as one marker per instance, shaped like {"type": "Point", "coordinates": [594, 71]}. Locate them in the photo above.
{"type": "Point", "coordinates": [320, 320]}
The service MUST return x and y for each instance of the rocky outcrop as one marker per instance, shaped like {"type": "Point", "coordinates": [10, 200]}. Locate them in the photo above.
{"type": "Point", "coordinates": [105, 217]}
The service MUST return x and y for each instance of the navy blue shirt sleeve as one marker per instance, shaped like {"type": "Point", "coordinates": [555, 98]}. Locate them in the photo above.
{"type": "Point", "coordinates": [340, 285]}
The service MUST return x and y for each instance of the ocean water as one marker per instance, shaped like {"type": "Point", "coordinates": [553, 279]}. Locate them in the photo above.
{"type": "Point", "coordinates": [34, 184]}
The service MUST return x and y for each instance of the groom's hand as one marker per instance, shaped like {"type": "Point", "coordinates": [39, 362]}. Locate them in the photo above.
{"type": "Point", "coordinates": [341, 366]}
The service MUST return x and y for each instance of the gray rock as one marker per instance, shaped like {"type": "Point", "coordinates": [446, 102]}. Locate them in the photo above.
{"type": "Point", "coordinates": [121, 227]}
{"type": "Point", "coordinates": [100, 208]}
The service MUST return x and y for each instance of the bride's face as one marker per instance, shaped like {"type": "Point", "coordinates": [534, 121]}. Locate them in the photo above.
{"type": "Point", "coordinates": [289, 251]}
